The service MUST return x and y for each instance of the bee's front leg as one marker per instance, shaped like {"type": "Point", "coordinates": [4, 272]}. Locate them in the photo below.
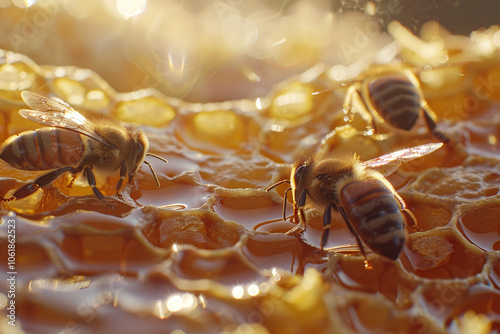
{"type": "Point", "coordinates": [40, 182]}
{"type": "Point", "coordinates": [327, 223]}
{"type": "Point", "coordinates": [299, 215]}
{"type": "Point", "coordinates": [91, 180]}
{"type": "Point", "coordinates": [123, 175]}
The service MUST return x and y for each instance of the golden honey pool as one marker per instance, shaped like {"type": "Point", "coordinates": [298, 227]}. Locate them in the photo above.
{"type": "Point", "coordinates": [207, 251]}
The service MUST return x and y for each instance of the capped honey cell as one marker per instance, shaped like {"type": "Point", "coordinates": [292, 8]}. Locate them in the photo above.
{"type": "Point", "coordinates": [148, 110]}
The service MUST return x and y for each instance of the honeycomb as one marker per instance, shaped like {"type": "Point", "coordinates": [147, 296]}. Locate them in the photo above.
{"type": "Point", "coordinates": [206, 252]}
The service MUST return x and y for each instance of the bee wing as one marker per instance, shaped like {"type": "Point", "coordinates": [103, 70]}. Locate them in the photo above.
{"type": "Point", "coordinates": [387, 169]}
{"type": "Point", "coordinates": [57, 113]}
{"type": "Point", "coordinates": [387, 164]}
{"type": "Point", "coordinates": [43, 103]}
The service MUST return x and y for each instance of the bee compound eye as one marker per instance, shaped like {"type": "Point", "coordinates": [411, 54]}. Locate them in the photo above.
{"type": "Point", "coordinates": [140, 149]}
{"type": "Point", "coordinates": [298, 173]}
{"type": "Point", "coordinates": [139, 153]}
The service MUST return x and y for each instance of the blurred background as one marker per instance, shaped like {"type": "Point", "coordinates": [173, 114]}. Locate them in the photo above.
{"type": "Point", "coordinates": [217, 50]}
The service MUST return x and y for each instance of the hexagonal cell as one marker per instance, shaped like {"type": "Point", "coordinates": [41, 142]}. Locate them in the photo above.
{"type": "Point", "coordinates": [454, 300]}
{"type": "Point", "coordinates": [16, 77]}
{"type": "Point", "coordinates": [442, 254]}
{"type": "Point", "coordinates": [472, 181]}
{"type": "Point", "coordinates": [292, 103]}
{"type": "Point", "coordinates": [483, 232]}
{"type": "Point", "coordinates": [238, 171]}
{"type": "Point", "coordinates": [430, 214]}
{"type": "Point", "coordinates": [279, 251]}
{"type": "Point", "coordinates": [385, 278]}
{"type": "Point", "coordinates": [94, 242]}
{"type": "Point", "coordinates": [227, 267]}
{"type": "Point", "coordinates": [247, 211]}
{"type": "Point", "coordinates": [216, 131]}
{"type": "Point", "coordinates": [70, 90]}
{"type": "Point", "coordinates": [148, 110]}
{"type": "Point", "coordinates": [373, 314]}
{"type": "Point", "coordinates": [200, 228]}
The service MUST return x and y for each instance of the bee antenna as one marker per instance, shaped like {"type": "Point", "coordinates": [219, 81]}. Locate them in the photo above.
{"type": "Point", "coordinates": [153, 172]}
{"type": "Point", "coordinates": [151, 167]}
{"type": "Point", "coordinates": [157, 157]}
{"type": "Point", "coordinates": [277, 184]}
{"type": "Point", "coordinates": [340, 85]}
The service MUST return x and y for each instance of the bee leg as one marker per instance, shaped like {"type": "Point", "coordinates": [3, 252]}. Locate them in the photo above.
{"type": "Point", "coordinates": [284, 196]}
{"type": "Point", "coordinates": [299, 214]}
{"type": "Point", "coordinates": [364, 110]}
{"type": "Point", "coordinates": [431, 125]}
{"type": "Point", "coordinates": [367, 112]}
{"type": "Point", "coordinates": [374, 125]}
{"type": "Point", "coordinates": [408, 212]}
{"type": "Point", "coordinates": [40, 182]}
{"type": "Point", "coordinates": [413, 218]}
{"type": "Point", "coordinates": [284, 202]}
{"type": "Point", "coordinates": [24, 191]}
{"type": "Point", "coordinates": [327, 223]}
{"type": "Point", "coordinates": [347, 106]}
{"type": "Point", "coordinates": [353, 231]}
{"type": "Point", "coordinates": [91, 180]}
{"type": "Point", "coordinates": [123, 175]}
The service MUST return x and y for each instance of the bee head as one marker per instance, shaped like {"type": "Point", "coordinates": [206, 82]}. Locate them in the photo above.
{"type": "Point", "coordinates": [321, 176]}
{"type": "Point", "coordinates": [138, 150]}
{"type": "Point", "coordinates": [299, 178]}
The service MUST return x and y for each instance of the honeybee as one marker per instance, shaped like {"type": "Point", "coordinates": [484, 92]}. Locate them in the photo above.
{"type": "Point", "coordinates": [391, 95]}
{"type": "Point", "coordinates": [73, 143]}
{"type": "Point", "coordinates": [368, 203]}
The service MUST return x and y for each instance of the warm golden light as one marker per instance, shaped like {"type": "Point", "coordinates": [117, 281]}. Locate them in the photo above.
{"type": "Point", "coordinates": [129, 8]}
{"type": "Point", "coordinates": [174, 303]}
{"type": "Point", "coordinates": [238, 292]}
{"type": "Point", "coordinates": [293, 102]}
{"type": "Point", "coordinates": [24, 3]}
{"type": "Point", "coordinates": [235, 95]}
{"type": "Point", "coordinates": [253, 290]}
{"type": "Point", "coordinates": [276, 274]}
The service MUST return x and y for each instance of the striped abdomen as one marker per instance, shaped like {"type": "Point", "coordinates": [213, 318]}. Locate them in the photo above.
{"type": "Point", "coordinates": [375, 214]}
{"type": "Point", "coordinates": [43, 149]}
{"type": "Point", "coordinates": [396, 100]}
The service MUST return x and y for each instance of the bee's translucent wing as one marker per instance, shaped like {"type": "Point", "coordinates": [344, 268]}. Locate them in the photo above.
{"type": "Point", "coordinates": [386, 169]}
{"type": "Point", "coordinates": [43, 103]}
{"type": "Point", "coordinates": [387, 164]}
{"type": "Point", "coordinates": [57, 113]}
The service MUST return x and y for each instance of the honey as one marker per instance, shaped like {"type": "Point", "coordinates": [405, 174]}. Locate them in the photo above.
{"type": "Point", "coordinates": [208, 251]}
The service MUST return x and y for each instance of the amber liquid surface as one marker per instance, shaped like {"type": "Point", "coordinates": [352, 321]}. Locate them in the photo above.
{"type": "Point", "coordinates": [207, 251]}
